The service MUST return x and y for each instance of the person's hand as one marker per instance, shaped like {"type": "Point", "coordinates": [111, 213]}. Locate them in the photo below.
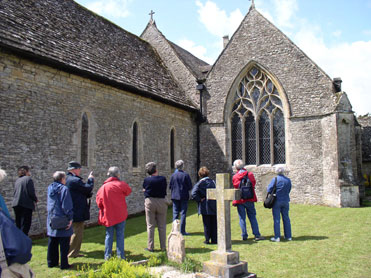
{"type": "Point", "coordinates": [91, 175]}
{"type": "Point", "coordinates": [69, 225]}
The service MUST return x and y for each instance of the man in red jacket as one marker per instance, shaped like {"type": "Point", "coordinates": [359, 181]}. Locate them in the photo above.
{"type": "Point", "coordinates": [246, 205]}
{"type": "Point", "coordinates": [113, 210]}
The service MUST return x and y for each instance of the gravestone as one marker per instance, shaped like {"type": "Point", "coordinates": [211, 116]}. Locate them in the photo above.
{"type": "Point", "coordinates": [176, 244]}
{"type": "Point", "coordinates": [224, 262]}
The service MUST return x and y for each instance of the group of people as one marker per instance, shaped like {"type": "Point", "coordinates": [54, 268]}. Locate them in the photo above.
{"type": "Point", "coordinates": [69, 196]}
{"type": "Point", "coordinates": [282, 185]}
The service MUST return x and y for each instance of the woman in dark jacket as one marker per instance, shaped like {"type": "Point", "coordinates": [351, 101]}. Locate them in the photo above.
{"type": "Point", "coordinates": [59, 203]}
{"type": "Point", "coordinates": [207, 208]}
{"type": "Point", "coordinates": [24, 199]}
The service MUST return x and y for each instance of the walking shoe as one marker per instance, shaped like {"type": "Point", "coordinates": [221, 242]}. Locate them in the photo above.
{"type": "Point", "coordinates": [274, 239]}
{"type": "Point", "coordinates": [149, 250]}
{"type": "Point", "coordinates": [244, 238]}
{"type": "Point", "coordinates": [185, 234]}
{"type": "Point", "coordinates": [206, 242]}
{"type": "Point", "coordinates": [257, 238]}
{"type": "Point", "coordinates": [289, 239]}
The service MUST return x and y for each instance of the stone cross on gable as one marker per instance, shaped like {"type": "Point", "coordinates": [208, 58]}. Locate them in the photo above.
{"type": "Point", "coordinates": [151, 14]}
{"type": "Point", "coordinates": [224, 262]}
{"type": "Point", "coordinates": [223, 194]}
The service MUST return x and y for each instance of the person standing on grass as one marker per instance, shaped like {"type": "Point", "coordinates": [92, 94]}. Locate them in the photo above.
{"type": "Point", "coordinates": [281, 205]}
{"type": "Point", "coordinates": [59, 203]}
{"type": "Point", "coordinates": [24, 199]}
{"type": "Point", "coordinates": [246, 205]}
{"type": "Point", "coordinates": [80, 193]}
{"type": "Point", "coordinates": [155, 206]}
{"type": "Point", "coordinates": [180, 185]}
{"type": "Point", "coordinates": [113, 211]}
{"type": "Point", "coordinates": [207, 208]}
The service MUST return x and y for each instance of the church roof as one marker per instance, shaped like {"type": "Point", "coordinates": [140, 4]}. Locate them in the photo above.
{"type": "Point", "coordinates": [68, 36]}
{"type": "Point", "coordinates": [198, 67]}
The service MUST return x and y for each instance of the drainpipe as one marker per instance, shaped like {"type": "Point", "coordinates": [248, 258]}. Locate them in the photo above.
{"type": "Point", "coordinates": [199, 120]}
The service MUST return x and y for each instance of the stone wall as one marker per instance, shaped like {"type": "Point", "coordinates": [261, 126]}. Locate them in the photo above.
{"type": "Point", "coordinates": [41, 110]}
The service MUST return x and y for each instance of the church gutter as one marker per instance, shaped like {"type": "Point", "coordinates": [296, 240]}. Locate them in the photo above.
{"type": "Point", "coordinates": [38, 59]}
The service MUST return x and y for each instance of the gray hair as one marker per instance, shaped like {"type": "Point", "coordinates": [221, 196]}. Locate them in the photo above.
{"type": "Point", "coordinates": [280, 170]}
{"type": "Point", "coordinates": [59, 175]}
{"type": "Point", "coordinates": [238, 163]}
{"type": "Point", "coordinates": [113, 172]}
{"type": "Point", "coordinates": [2, 175]}
{"type": "Point", "coordinates": [179, 164]}
{"type": "Point", "coordinates": [151, 168]}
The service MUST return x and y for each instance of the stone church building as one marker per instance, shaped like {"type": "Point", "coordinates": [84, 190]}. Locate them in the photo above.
{"type": "Point", "coordinates": [74, 86]}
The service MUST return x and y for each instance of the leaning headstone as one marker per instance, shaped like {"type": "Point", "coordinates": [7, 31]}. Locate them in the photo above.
{"type": "Point", "coordinates": [176, 244]}
{"type": "Point", "coordinates": [224, 262]}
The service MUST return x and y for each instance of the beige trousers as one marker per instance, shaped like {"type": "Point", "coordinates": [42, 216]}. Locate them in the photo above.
{"type": "Point", "coordinates": [76, 239]}
{"type": "Point", "coordinates": [156, 210]}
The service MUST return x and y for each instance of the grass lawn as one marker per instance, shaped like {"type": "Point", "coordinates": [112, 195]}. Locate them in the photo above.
{"type": "Point", "coordinates": [327, 242]}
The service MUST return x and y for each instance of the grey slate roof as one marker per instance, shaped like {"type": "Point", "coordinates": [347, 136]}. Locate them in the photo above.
{"type": "Point", "coordinates": [66, 35]}
{"type": "Point", "coordinates": [198, 67]}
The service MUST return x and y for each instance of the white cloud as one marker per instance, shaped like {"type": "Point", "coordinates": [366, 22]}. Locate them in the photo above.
{"type": "Point", "coordinates": [216, 21]}
{"type": "Point", "coordinates": [114, 8]}
{"type": "Point", "coordinates": [337, 33]}
{"type": "Point", "coordinates": [197, 50]}
{"type": "Point", "coordinates": [350, 61]}
{"type": "Point", "coordinates": [285, 10]}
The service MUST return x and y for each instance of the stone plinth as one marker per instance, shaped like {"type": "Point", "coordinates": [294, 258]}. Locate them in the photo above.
{"type": "Point", "coordinates": [225, 264]}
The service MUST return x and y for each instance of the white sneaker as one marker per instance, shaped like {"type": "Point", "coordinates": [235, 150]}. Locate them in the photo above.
{"type": "Point", "coordinates": [289, 239]}
{"type": "Point", "coordinates": [275, 239]}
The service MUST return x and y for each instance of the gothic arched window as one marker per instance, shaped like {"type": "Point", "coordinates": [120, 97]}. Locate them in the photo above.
{"type": "Point", "coordinates": [84, 140]}
{"type": "Point", "coordinates": [135, 146]}
{"type": "Point", "coordinates": [172, 149]}
{"type": "Point", "coordinates": [257, 121]}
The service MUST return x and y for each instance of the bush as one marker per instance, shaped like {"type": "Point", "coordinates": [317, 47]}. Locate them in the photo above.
{"type": "Point", "coordinates": [115, 268]}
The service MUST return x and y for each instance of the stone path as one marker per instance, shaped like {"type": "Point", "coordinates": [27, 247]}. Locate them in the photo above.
{"type": "Point", "coordinates": [172, 272]}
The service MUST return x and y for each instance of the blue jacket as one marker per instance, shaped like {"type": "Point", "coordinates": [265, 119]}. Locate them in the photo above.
{"type": "Point", "coordinates": [59, 203]}
{"type": "Point", "coordinates": [4, 207]}
{"type": "Point", "coordinates": [205, 207]}
{"type": "Point", "coordinates": [80, 192]}
{"type": "Point", "coordinates": [283, 188]}
{"type": "Point", "coordinates": [17, 246]}
{"type": "Point", "coordinates": [180, 185]}
{"type": "Point", "coordinates": [155, 186]}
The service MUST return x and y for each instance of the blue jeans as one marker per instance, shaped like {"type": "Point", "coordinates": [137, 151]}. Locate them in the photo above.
{"type": "Point", "coordinates": [249, 208]}
{"type": "Point", "coordinates": [180, 207]}
{"type": "Point", "coordinates": [120, 229]}
{"type": "Point", "coordinates": [281, 208]}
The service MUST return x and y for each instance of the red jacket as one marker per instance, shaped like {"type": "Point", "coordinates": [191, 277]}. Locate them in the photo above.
{"type": "Point", "coordinates": [111, 202]}
{"type": "Point", "coordinates": [236, 182]}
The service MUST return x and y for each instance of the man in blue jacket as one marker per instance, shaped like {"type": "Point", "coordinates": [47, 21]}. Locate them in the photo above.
{"type": "Point", "coordinates": [80, 193]}
{"type": "Point", "coordinates": [180, 185]}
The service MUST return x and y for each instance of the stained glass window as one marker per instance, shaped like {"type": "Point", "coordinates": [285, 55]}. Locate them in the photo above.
{"type": "Point", "coordinates": [84, 140]}
{"type": "Point", "coordinates": [135, 146]}
{"type": "Point", "coordinates": [172, 150]}
{"type": "Point", "coordinates": [257, 121]}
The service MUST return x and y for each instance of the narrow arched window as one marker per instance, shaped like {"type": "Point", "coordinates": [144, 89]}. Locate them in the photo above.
{"type": "Point", "coordinates": [172, 149]}
{"type": "Point", "coordinates": [84, 140]}
{"type": "Point", "coordinates": [135, 146]}
{"type": "Point", "coordinates": [257, 121]}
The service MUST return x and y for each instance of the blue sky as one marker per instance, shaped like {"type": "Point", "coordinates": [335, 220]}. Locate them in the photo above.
{"type": "Point", "coordinates": [335, 34]}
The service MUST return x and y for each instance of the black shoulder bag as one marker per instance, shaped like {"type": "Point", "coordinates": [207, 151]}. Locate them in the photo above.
{"type": "Point", "coordinates": [271, 197]}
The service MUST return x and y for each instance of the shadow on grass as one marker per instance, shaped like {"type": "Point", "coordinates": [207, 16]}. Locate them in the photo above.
{"type": "Point", "coordinates": [240, 242]}
{"type": "Point", "coordinates": [305, 238]}
{"type": "Point", "coordinates": [198, 250]}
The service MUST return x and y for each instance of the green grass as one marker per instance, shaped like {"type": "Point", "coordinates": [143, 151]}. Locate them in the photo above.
{"type": "Point", "coordinates": [327, 242]}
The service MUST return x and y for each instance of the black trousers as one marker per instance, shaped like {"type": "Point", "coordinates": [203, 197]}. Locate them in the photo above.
{"type": "Point", "coordinates": [210, 228]}
{"type": "Point", "coordinates": [53, 254]}
{"type": "Point", "coordinates": [23, 218]}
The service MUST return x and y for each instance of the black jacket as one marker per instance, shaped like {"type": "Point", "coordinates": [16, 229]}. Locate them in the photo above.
{"type": "Point", "coordinates": [24, 193]}
{"type": "Point", "coordinates": [80, 192]}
